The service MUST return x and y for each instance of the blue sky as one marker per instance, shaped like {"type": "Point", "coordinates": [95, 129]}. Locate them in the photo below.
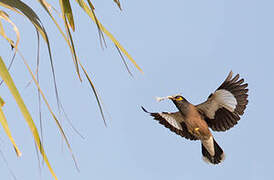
{"type": "Point", "coordinates": [185, 47]}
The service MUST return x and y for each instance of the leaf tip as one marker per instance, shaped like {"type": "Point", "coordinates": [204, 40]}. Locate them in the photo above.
{"type": "Point", "coordinates": [18, 152]}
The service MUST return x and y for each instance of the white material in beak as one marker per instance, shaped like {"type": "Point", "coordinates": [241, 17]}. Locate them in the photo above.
{"type": "Point", "coordinates": [163, 98]}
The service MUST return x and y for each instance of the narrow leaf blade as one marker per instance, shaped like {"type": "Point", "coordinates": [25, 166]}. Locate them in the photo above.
{"type": "Point", "coordinates": [10, 84]}
{"type": "Point", "coordinates": [4, 123]}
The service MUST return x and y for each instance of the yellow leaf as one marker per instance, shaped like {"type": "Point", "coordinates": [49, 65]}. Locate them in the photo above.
{"type": "Point", "coordinates": [2, 102]}
{"type": "Point", "coordinates": [10, 84]}
{"type": "Point", "coordinates": [23, 9]}
{"type": "Point", "coordinates": [51, 112]}
{"type": "Point", "coordinates": [3, 34]}
{"type": "Point", "coordinates": [67, 12]}
{"type": "Point", "coordinates": [103, 29]}
{"type": "Point", "coordinates": [95, 94]}
{"type": "Point", "coordinates": [69, 41]}
{"type": "Point", "coordinates": [91, 5]}
{"type": "Point", "coordinates": [16, 5]}
{"type": "Point", "coordinates": [4, 16]}
{"type": "Point", "coordinates": [118, 4]}
{"type": "Point", "coordinates": [4, 123]}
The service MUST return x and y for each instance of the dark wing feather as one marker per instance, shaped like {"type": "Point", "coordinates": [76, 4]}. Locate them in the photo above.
{"type": "Point", "coordinates": [222, 110]}
{"type": "Point", "coordinates": [177, 126]}
{"type": "Point", "coordinates": [238, 89]}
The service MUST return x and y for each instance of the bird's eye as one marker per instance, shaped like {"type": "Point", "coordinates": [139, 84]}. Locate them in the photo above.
{"type": "Point", "coordinates": [179, 98]}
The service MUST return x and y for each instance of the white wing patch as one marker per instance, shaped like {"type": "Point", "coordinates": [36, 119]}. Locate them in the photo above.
{"type": "Point", "coordinates": [221, 98]}
{"type": "Point", "coordinates": [225, 99]}
{"type": "Point", "coordinates": [172, 120]}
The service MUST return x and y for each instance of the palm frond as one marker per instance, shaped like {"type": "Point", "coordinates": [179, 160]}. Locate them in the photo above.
{"type": "Point", "coordinates": [10, 84]}
{"type": "Point", "coordinates": [4, 123]}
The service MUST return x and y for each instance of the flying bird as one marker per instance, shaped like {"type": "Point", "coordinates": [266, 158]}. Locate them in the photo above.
{"type": "Point", "coordinates": [220, 112]}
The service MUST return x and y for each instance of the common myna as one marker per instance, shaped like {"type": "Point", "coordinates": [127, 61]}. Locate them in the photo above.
{"type": "Point", "coordinates": [221, 111]}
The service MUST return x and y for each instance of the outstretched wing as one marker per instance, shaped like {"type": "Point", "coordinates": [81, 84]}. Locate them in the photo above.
{"type": "Point", "coordinates": [174, 122]}
{"type": "Point", "coordinates": [223, 108]}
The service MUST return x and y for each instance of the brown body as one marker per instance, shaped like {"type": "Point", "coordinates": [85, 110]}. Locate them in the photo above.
{"type": "Point", "coordinates": [196, 125]}
{"type": "Point", "coordinates": [220, 112]}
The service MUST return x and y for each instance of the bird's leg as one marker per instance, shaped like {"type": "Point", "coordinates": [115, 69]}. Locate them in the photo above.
{"type": "Point", "coordinates": [197, 131]}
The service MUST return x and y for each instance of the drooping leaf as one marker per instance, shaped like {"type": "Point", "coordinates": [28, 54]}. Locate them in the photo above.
{"type": "Point", "coordinates": [4, 123]}
{"type": "Point", "coordinates": [23, 9]}
{"type": "Point", "coordinates": [95, 94]}
{"type": "Point", "coordinates": [5, 17]}
{"type": "Point", "coordinates": [69, 41]}
{"type": "Point", "coordinates": [67, 12]}
{"type": "Point", "coordinates": [72, 49]}
{"type": "Point", "coordinates": [118, 4]}
{"type": "Point", "coordinates": [3, 34]}
{"type": "Point", "coordinates": [125, 63]}
{"type": "Point", "coordinates": [10, 84]}
{"type": "Point", "coordinates": [85, 7]}
{"type": "Point", "coordinates": [91, 5]}
{"type": "Point", "coordinates": [51, 112]}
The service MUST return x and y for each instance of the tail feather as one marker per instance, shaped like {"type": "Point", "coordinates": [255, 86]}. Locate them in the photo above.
{"type": "Point", "coordinates": [218, 154]}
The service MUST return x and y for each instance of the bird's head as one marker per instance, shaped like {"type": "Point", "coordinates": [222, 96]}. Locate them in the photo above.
{"type": "Point", "coordinates": [180, 102]}
{"type": "Point", "coordinates": [178, 99]}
